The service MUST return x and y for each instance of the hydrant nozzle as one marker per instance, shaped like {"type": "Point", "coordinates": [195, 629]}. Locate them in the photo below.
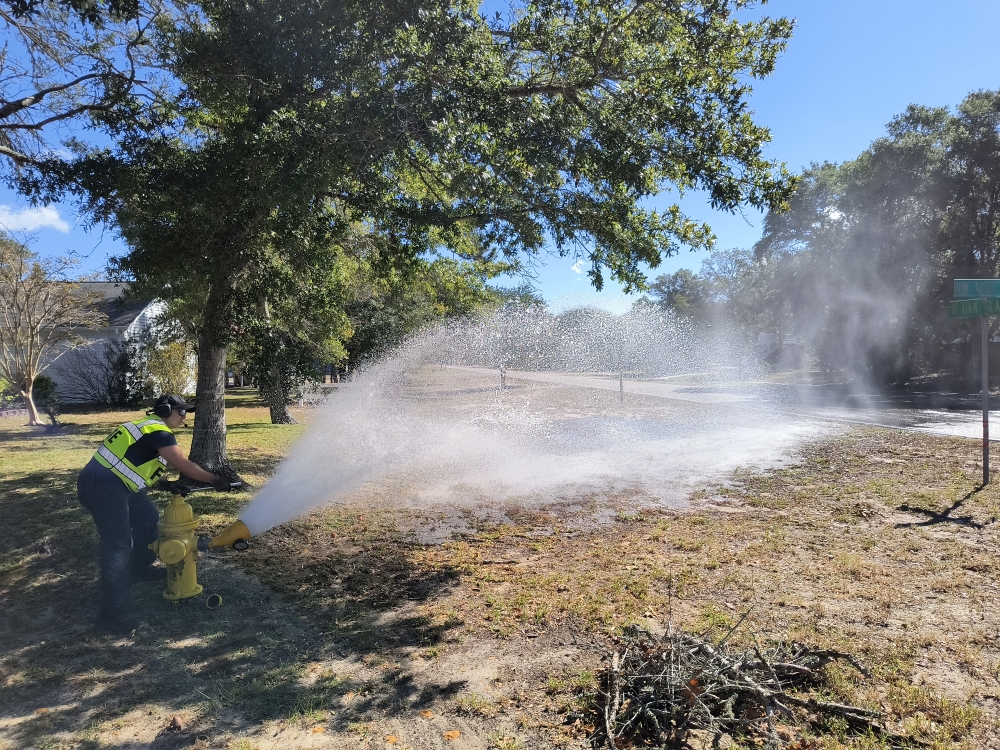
{"type": "Point", "coordinates": [235, 532]}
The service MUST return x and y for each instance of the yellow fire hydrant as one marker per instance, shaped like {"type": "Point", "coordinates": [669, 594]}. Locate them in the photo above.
{"type": "Point", "coordinates": [178, 548]}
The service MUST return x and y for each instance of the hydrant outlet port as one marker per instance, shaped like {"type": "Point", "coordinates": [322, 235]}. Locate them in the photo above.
{"type": "Point", "coordinates": [172, 551]}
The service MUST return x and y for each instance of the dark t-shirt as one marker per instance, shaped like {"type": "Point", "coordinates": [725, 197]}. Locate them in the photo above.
{"type": "Point", "coordinates": [148, 446]}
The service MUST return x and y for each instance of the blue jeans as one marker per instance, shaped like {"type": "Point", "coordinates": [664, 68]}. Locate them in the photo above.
{"type": "Point", "coordinates": [126, 523]}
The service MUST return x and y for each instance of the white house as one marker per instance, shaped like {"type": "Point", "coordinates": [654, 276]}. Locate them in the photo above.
{"type": "Point", "coordinates": [77, 370]}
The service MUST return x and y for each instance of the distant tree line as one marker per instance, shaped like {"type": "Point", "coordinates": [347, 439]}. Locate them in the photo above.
{"type": "Point", "coordinates": [859, 269]}
{"type": "Point", "coordinates": [645, 341]}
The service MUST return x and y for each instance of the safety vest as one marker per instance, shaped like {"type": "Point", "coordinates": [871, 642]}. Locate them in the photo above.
{"type": "Point", "coordinates": [111, 454]}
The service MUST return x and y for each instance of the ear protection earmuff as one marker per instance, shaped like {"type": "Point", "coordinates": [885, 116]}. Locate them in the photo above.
{"type": "Point", "coordinates": [163, 410]}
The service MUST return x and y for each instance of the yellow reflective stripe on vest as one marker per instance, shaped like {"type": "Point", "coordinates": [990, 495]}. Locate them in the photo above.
{"type": "Point", "coordinates": [153, 421]}
{"type": "Point", "coordinates": [120, 467]}
{"type": "Point", "coordinates": [112, 452]}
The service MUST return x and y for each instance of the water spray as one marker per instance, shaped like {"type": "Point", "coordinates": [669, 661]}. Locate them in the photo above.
{"type": "Point", "coordinates": [429, 421]}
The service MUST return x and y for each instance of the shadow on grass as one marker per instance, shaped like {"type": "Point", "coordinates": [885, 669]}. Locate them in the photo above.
{"type": "Point", "coordinates": [945, 516]}
{"type": "Point", "coordinates": [247, 662]}
{"type": "Point", "coordinates": [25, 437]}
{"type": "Point", "coordinates": [343, 567]}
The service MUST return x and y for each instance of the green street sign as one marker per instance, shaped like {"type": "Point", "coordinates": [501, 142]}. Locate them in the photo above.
{"type": "Point", "coordinates": [976, 288]}
{"type": "Point", "coordinates": [979, 298]}
{"type": "Point", "coordinates": [973, 308]}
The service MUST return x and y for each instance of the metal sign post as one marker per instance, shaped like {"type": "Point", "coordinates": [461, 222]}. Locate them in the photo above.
{"type": "Point", "coordinates": [979, 298]}
{"type": "Point", "coordinates": [986, 402]}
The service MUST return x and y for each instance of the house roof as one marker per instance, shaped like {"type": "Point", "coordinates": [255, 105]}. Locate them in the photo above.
{"type": "Point", "coordinates": [120, 312]}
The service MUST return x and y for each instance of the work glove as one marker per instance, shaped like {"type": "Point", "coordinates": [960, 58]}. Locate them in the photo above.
{"type": "Point", "coordinates": [222, 484]}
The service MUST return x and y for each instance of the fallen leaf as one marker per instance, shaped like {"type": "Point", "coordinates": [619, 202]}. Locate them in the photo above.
{"type": "Point", "coordinates": [427, 713]}
{"type": "Point", "coordinates": [452, 734]}
{"type": "Point", "coordinates": [348, 697]}
{"type": "Point", "coordinates": [391, 739]}
{"type": "Point", "coordinates": [317, 730]}
{"type": "Point", "coordinates": [41, 710]}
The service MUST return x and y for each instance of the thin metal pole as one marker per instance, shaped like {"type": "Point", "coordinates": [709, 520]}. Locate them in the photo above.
{"type": "Point", "coordinates": [986, 402]}
{"type": "Point", "coordinates": [621, 387]}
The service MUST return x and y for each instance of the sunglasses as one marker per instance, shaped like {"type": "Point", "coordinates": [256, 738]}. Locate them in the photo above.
{"type": "Point", "coordinates": [182, 412]}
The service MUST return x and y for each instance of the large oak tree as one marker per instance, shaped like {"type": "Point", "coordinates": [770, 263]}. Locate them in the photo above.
{"type": "Point", "coordinates": [545, 128]}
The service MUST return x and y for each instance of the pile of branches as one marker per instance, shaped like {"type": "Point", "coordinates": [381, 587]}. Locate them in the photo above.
{"type": "Point", "coordinates": [662, 690]}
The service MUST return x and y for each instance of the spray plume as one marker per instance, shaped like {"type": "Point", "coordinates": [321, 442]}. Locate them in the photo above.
{"type": "Point", "coordinates": [433, 419]}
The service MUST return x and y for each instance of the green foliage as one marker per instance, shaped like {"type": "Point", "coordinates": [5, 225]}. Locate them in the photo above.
{"type": "Point", "coordinates": [682, 291]}
{"type": "Point", "coordinates": [170, 369]}
{"type": "Point", "coordinates": [386, 309]}
{"type": "Point", "coordinates": [427, 122]}
{"type": "Point", "coordinates": [91, 11]}
{"type": "Point", "coordinates": [731, 286]}
{"type": "Point", "coordinates": [45, 394]}
{"type": "Point", "coordinates": [62, 61]}
{"type": "Point", "coordinates": [861, 261]}
{"type": "Point", "coordinates": [44, 390]}
{"type": "Point", "coordinates": [859, 269]}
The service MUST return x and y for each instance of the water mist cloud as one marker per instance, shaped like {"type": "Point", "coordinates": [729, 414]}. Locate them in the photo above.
{"type": "Point", "coordinates": [433, 421]}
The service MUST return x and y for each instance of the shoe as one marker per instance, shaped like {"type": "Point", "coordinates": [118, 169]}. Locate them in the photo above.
{"type": "Point", "coordinates": [150, 573]}
{"type": "Point", "coordinates": [120, 626]}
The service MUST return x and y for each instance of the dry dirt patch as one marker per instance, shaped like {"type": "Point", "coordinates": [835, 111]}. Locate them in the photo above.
{"type": "Point", "coordinates": [342, 630]}
{"type": "Point", "coordinates": [878, 543]}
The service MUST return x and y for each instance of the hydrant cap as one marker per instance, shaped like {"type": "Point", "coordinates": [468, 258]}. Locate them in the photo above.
{"type": "Point", "coordinates": [172, 551]}
{"type": "Point", "coordinates": [178, 513]}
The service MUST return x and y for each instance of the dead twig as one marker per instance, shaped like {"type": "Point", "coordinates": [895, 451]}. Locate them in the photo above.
{"type": "Point", "coordinates": [662, 689]}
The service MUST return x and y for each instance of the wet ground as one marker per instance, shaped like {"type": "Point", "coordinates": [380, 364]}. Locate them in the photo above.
{"type": "Point", "coordinates": [945, 413]}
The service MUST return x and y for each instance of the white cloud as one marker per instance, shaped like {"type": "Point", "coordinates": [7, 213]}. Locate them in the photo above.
{"type": "Point", "coordinates": [30, 219]}
{"type": "Point", "coordinates": [578, 266]}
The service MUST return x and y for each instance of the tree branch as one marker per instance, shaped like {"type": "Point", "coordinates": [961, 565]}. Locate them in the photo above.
{"type": "Point", "coordinates": [13, 107]}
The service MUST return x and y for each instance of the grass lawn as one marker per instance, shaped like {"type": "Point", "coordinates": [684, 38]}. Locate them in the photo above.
{"type": "Point", "coordinates": [342, 630]}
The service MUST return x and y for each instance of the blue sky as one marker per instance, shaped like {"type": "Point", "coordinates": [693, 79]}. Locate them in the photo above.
{"type": "Point", "coordinates": [850, 66]}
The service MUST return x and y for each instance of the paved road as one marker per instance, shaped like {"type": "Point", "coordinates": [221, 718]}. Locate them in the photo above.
{"type": "Point", "coordinates": [935, 413]}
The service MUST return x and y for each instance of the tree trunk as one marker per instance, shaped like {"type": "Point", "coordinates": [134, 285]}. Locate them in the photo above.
{"type": "Point", "coordinates": [275, 395]}
{"type": "Point", "coordinates": [208, 445]}
{"type": "Point", "coordinates": [29, 403]}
